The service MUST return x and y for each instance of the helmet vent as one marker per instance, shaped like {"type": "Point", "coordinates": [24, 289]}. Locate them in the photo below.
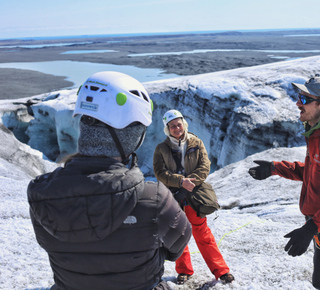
{"type": "Point", "coordinates": [103, 90]}
{"type": "Point", "coordinates": [139, 95]}
{"type": "Point", "coordinates": [135, 93]}
{"type": "Point", "coordinates": [145, 97]}
{"type": "Point", "coordinates": [93, 88]}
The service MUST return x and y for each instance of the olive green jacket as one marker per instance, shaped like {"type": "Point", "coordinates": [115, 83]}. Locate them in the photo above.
{"type": "Point", "coordinates": [196, 162]}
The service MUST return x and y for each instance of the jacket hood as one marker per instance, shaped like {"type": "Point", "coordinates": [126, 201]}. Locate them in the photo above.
{"type": "Point", "coordinates": [86, 200]}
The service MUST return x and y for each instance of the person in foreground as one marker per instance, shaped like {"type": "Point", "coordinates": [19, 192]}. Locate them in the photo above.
{"type": "Point", "coordinates": [191, 170]}
{"type": "Point", "coordinates": [307, 172]}
{"type": "Point", "coordinates": [101, 224]}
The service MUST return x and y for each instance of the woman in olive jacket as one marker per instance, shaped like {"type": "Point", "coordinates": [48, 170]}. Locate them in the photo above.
{"type": "Point", "coordinates": [182, 161]}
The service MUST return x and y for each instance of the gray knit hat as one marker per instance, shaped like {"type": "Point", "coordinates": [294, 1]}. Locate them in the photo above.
{"type": "Point", "coordinates": [96, 140]}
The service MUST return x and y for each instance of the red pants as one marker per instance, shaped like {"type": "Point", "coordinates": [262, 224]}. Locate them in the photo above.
{"type": "Point", "coordinates": [207, 246]}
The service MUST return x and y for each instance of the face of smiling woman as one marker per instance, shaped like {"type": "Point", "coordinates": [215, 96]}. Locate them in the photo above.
{"type": "Point", "coordinates": [176, 128]}
{"type": "Point", "coordinates": [309, 112]}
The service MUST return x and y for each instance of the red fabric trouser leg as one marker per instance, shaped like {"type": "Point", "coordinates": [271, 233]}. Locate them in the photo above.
{"type": "Point", "coordinates": [207, 246]}
{"type": "Point", "coordinates": [183, 264]}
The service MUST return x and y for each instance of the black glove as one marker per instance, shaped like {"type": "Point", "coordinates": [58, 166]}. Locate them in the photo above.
{"type": "Point", "coordinates": [262, 171]}
{"type": "Point", "coordinates": [300, 239]}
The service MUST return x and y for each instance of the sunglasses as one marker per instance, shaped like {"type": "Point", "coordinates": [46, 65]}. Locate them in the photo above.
{"type": "Point", "coordinates": [306, 100]}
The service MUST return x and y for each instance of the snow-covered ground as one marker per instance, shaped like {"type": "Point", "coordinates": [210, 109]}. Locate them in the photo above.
{"type": "Point", "coordinates": [255, 216]}
{"type": "Point", "coordinates": [250, 239]}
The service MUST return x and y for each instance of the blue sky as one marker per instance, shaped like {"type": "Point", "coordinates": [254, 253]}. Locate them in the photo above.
{"type": "Point", "coordinates": [30, 18]}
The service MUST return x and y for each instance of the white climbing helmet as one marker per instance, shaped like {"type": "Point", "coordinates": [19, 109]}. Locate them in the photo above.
{"type": "Point", "coordinates": [171, 115]}
{"type": "Point", "coordinates": [115, 99]}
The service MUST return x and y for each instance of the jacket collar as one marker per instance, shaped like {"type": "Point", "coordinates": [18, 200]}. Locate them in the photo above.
{"type": "Point", "coordinates": [310, 130]}
{"type": "Point", "coordinates": [191, 141]}
{"type": "Point", "coordinates": [87, 164]}
{"type": "Point", "coordinates": [176, 142]}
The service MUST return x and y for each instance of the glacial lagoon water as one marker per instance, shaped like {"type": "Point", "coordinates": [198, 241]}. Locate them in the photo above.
{"type": "Point", "coordinates": [77, 72]}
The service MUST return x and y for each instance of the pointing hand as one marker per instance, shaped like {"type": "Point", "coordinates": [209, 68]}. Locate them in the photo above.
{"type": "Point", "coordinates": [262, 171]}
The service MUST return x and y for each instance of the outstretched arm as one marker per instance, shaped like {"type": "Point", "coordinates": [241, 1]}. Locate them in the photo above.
{"type": "Point", "coordinates": [289, 170]}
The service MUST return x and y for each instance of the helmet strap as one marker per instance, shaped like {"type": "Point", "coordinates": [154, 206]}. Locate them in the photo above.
{"type": "Point", "coordinates": [134, 160]}
{"type": "Point", "coordinates": [141, 138]}
{"type": "Point", "coordinates": [125, 159]}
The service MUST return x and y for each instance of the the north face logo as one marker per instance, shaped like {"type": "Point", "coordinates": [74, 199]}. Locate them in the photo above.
{"type": "Point", "coordinates": [130, 220]}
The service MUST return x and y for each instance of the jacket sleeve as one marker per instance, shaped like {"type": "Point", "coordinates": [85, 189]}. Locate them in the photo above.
{"type": "Point", "coordinates": [162, 174]}
{"type": "Point", "coordinates": [202, 170]}
{"type": "Point", "coordinates": [289, 170]}
{"type": "Point", "coordinates": [174, 229]}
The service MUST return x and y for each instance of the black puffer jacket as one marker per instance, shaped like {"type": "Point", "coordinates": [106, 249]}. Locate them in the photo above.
{"type": "Point", "coordinates": [104, 227]}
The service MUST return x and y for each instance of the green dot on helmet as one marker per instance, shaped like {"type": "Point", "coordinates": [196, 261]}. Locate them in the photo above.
{"type": "Point", "coordinates": [121, 99]}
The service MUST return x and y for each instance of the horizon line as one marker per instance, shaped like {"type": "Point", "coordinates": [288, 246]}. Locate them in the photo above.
{"type": "Point", "coordinates": [152, 33]}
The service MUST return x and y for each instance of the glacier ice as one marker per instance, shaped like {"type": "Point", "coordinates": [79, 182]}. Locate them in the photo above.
{"type": "Point", "coordinates": [236, 113]}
